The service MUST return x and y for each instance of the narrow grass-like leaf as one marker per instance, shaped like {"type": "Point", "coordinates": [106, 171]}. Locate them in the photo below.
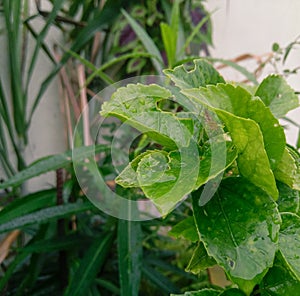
{"type": "Point", "coordinates": [45, 215]}
{"type": "Point", "coordinates": [40, 39]}
{"type": "Point", "coordinates": [159, 280]}
{"type": "Point", "coordinates": [104, 17]}
{"type": "Point", "coordinates": [57, 244]}
{"type": "Point", "coordinates": [147, 42]}
{"type": "Point", "coordinates": [130, 256]}
{"type": "Point", "coordinates": [108, 285]}
{"type": "Point", "coordinates": [51, 163]}
{"type": "Point", "coordinates": [89, 266]}
{"type": "Point", "coordinates": [11, 268]}
{"type": "Point", "coordinates": [195, 31]}
{"type": "Point", "coordinates": [27, 204]}
{"type": "Point", "coordinates": [12, 13]}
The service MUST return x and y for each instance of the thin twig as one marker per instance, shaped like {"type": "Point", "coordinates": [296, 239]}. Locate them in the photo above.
{"type": "Point", "coordinates": [84, 106]}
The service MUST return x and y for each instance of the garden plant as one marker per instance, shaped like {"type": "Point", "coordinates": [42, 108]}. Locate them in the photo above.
{"type": "Point", "coordinates": [211, 156]}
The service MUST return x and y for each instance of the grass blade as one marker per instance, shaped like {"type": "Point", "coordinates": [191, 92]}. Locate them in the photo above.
{"type": "Point", "coordinates": [147, 42]}
{"type": "Point", "coordinates": [159, 280]}
{"type": "Point", "coordinates": [27, 204]}
{"type": "Point", "coordinates": [45, 215]}
{"type": "Point", "coordinates": [89, 266]}
{"type": "Point", "coordinates": [40, 39]}
{"type": "Point", "coordinates": [130, 256]}
{"type": "Point", "coordinates": [51, 163]}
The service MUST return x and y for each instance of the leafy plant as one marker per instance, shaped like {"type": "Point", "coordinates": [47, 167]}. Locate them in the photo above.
{"type": "Point", "coordinates": [222, 134]}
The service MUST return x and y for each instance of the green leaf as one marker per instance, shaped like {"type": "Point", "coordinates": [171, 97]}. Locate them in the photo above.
{"type": "Point", "coordinates": [45, 215]}
{"type": "Point", "coordinates": [169, 38]}
{"type": "Point", "coordinates": [51, 163]}
{"type": "Point", "coordinates": [289, 199]}
{"type": "Point", "coordinates": [89, 266]}
{"type": "Point", "coordinates": [185, 229]}
{"type": "Point", "coordinates": [289, 242]}
{"type": "Point", "coordinates": [278, 95]}
{"type": "Point", "coordinates": [243, 244]}
{"type": "Point", "coordinates": [130, 256]}
{"type": "Point", "coordinates": [239, 102]}
{"type": "Point", "coordinates": [27, 204]}
{"type": "Point", "coordinates": [136, 104]}
{"type": "Point", "coordinates": [56, 244]}
{"type": "Point", "coordinates": [202, 74]}
{"type": "Point", "coordinates": [278, 282]}
{"type": "Point", "coordinates": [166, 178]}
{"type": "Point", "coordinates": [200, 260]}
{"type": "Point", "coordinates": [232, 105]}
{"type": "Point", "coordinates": [147, 42]}
{"type": "Point", "coordinates": [288, 169]}
{"type": "Point", "coordinates": [128, 177]}
{"type": "Point", "coordinates": [204, 292]}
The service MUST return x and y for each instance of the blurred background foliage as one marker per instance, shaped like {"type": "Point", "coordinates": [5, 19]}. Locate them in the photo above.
{"type": "Point", "coordinates": [55, 240]}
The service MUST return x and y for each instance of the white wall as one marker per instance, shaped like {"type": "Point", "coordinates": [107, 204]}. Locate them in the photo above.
{"type": "Point", "coordinates": [241, 26]}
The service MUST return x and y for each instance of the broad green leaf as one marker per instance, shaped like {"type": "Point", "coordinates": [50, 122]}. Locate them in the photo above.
{"type": "Point", "coordinates": [279, 282]}
{"type": "Point", "coordinates": [246, 134]}
{"type": "Point", "coordinates": [204, 292]}
{"type": "Point", "coordinates": [202, 74]}
{"type": "Point", "coordinates": [200, 260]}
{"type": "Point", "coordinates": [243, 244]}
{"type": "Point", "coordinates": [136, 105]}
{"type": "Point", "coordinates": [128, 177]}
{"type": "Point", "coordinates": [185, 229]}
{"type": "Point", "coordinates": [166, 178]}
{"type": "Point", "coordinates": [278, 95]}
{"type": "Point", "coordinates": [45, 215]}
{"type": "Point", "coordinates": [288, 169]}
{"type": "Point", "coordinates": [51, 163]}
{"type": "Point", "coordinates": [239, 102]}
{"type": "Point", "coordinates": [27, 204]}
{"type": "Point", "coordinates": [147, 42]}
{"type": "Point", "coordinates": [289, 199]}
{"type": "Point", "coordinates": [90, 265]}
{"type": "Point", "coordinates": [289, 242]}
{"type": "Point", "coordinates": [130, 256]}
